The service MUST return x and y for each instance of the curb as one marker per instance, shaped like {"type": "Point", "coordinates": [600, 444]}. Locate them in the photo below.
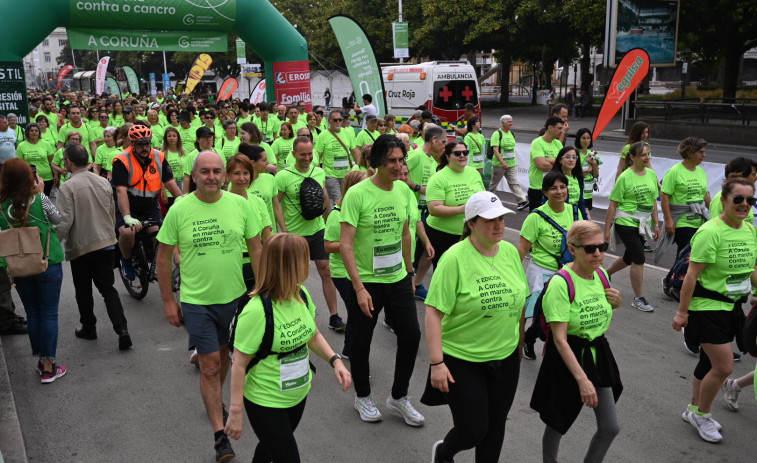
{"type": "Point", "coordinates": [12, 448]}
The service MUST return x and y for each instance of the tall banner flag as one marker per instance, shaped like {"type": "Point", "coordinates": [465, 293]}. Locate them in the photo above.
{"type": "Point", "coordinates": [102, 71]}
{"type": "Point", "coordinates": [62, 74]}
{"type": "Point", "coordinates": [258, 93]}
{"type": "Point", "coordinates": [153, 85]}
{"type": "Point", "coordinates": [628, 75]}
{"type": "Point", "coordinates": [228, 88]}
{"type": "Point", "coordinates": [114, 88]}
{"type": "Point", "coordinates": [166, 83]}
{"type": "Point", "coordinates": [362, 67]}
{"type": "Point", "coordinates": [132, 80]}
{"type": "Point", "coordinates": [201, 64]}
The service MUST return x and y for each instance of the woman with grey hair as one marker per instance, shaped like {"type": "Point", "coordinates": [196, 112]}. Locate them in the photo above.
{"type": "Point", "coordinates": [504, 163]}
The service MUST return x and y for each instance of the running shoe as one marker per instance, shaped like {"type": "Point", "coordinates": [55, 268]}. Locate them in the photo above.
{"type": "Point", "coordinates": [367, 409]}
{"type": "Point", "coordinates": [224, 452]}
{"type": "Point", "coordinates": [528, 351]}
{"type": "Point", "coordinates": [736, 357]}
{"type": "Point", "coordinates": [731, 394]}
{"type": "Point", "coordinates": [705, 426]}
{"type": "Point", "coordinates": [522, 205]}
{"type": "Point", "coordinates": [648, 248]}
{"type": "Point", "coordinates": [434, 449]}
{"type": "Point", "coordinates": [336, 323]}
{"type": "Point", "coordinates": [50, 376]}
{"type": "Point", "coordinates": [406, 409]}
{"type": "Point", "coordinates": [693, 350]}
{"type": "Point", "coordinates": [387, 324]}
{"type": "Point", "coordinates": [689, 410]}
{"type": "Point", "coordinates": [642, 304]}
{"type": "Point", "coordinates": [665, 291]}
{"type": "Point", "coordinates": [194, 359]}
{"type": "Point", "coordinates": [421, 292]}
{"type": "Point", "coordinates": [127, 270]}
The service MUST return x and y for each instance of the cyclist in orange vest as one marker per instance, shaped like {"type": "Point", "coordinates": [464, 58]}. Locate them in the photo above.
{"type": "Point", "coordinates": [139, 174]}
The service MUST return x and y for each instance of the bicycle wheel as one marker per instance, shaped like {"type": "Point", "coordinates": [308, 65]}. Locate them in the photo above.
{"type": "Point", "coordinates": [138, 288]}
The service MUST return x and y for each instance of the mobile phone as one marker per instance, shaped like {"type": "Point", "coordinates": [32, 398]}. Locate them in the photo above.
{"type": "Point", "coordinates": [34, 169]}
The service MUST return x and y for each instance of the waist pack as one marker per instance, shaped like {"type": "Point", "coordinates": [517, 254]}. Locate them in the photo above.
{"type": "Point", "coordinates": [21, 247]}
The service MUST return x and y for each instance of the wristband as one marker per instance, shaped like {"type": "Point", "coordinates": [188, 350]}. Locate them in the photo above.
{"type": "Point", "coordinates": [333, 359]}
{"type": "Point", "coordinates": [682, 314]}
{"type": "Point", "coordinates": [438, 363]}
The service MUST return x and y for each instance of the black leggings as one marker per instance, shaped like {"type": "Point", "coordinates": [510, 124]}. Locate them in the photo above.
{"type": "Point", "coordinates": [441, 241]}
{"type": "Point", "coordinates": [479, 399]}
{"type": "Point", "coordinates": [534, 199]}
{"type": "Point", "coordinates": [275, 430]}
{"type": "Point", "coordinates": [683, 237]}
{"type": "Point", "coordinates": [634, 243]}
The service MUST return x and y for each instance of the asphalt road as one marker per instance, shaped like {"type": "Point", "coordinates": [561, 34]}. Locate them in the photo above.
{"type": "Point", "coordinates": [144, 404]}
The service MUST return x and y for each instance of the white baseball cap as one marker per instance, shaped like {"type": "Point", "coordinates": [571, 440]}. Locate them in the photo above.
{"type": "Point", "coordinates": [485, 204]}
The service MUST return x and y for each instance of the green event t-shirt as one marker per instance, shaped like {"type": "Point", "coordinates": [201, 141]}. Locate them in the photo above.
{"type": "Point", "coordinates": [290, 161]}
{"type": "Point", "coordinates": [686, 187]}
{"type": "Point", "coordinates": [227, 148]}
{"type": "Point", "coordinates": [98, 131]}
{"type": "Point", "coordinates": [420, 168]}
{"type": "Point", "coordinates": [59, 161]}
{"type": "Point", "coordinates": [506, 143]}
{"type": "Point", "coordinates": [188, 137]}
{"type": "Point", "coordinates": [158, 132]}
{"type": "Point", "coordinates": [379, 217]}
{"type": "Point", "coordinates": [366, 137]}
{"type": "Point", "coordinates": [626, 148]}
{"type": "Point", "coordinates": [189, 160]}
{"type": "Point", "coordinates": [589, 179]}
{"type": "Point", "coordinates": [210, 237]}
{"type": "Point", "coordinates": [104, 156]}
{"type": "Point", "coordinates": [282, 148]}
{"type": "Point", "coordinates": [269, 128]}
{"type": "Point", "coordinates": [115, 121]}
{"type": "Point", "coordinates": [716, 208]}
{"type": "Point", "coordinates": [476, 144]}
{"type": "Point", "coordinates": [52, 118]}
{"type": "Point", "coordinates": [574, 190]}
{"type": "Point", "coordinates": [454, 189]}
{"type": "Point", "coordinates": [51, 137]}
{"type": "Point", "coordinates": [540, 148]}
{"type": "Point", "coordinates": [482, 299]}
{"type": "Point", "coordinates": [635, 192]}
{"type": "Point", "coordinates": [545, 239]}
{"type": "Point", "coordinates": [176, 161]}
{"type": "Point", "coordinates": [730, 256]}
{"type": "Point", "coordinates": [334, 157]}
{"type": "Point", "coordinates": [83, 129]}
{"type": "Point", "coordinates": [289, 181]}
{"type": "Point", "coordinates": [37, 154]}
{"type": "Point", "coordinates": [261, 215]}
{"type": "Point", "coordinates": [333, 233]}
{"type": "Point", "coordinates": [264, 187]}
{"type": "Point", "coordinates": [278, 382]}
{"type": "Point", "coordinates": [415, 213]}
{"type": "Point", "coordinates": [589, 315]}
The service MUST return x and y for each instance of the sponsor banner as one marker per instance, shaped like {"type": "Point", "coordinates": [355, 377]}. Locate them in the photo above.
{"type": "Point", "coordinates": [628, 75]}
{"type": "Point", "coordinates": [131, 79]}
{"type": "Point", "coordinates": [113, 87]}
{"type": "Point", "coordinates": [228, 88]}
{"type": "Point", "coordinates": [13, 91]}
{"type": "Point", "coordinates": [102, 70]}
{"type": "Point", "coordinates": [166, 83]}
{"type": "Point", "coordinates": [258, 93]}
{"type": "Point", "coordinates": [214, 15]}
{"type": "Point", "coordinates": [648, 24]}
{"type": "Point", "coordinates": [241, 52]}
{"type": "Point", "coordinates": [400, 34]}
{"type": "Point", "coordinates": [153, 85]}
{"type": "Point", "coordinates": [362, 67]}
{"type": "Point", "coordinates": [63, 73]}
{"type": "Point", "coordinates": [292, 83]}
{"type": "Point", "coordinates": [201, 64]}
{"type": "Point", "coordinates": [109, 39]}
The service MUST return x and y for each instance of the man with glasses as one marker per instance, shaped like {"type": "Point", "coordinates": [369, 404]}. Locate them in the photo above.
{"type": "Point", "coordinates": [98, 131]}
{"type": "Point", "coordinates": [75, 123]}
{"type": "Point", "coordinates": [337, 153]}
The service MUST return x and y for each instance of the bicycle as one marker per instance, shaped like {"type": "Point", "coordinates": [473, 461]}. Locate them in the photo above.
{"type": "Point", "coordinates": [144, 261]}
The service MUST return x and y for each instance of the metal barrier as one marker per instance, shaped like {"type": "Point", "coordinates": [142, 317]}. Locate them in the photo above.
{"type": "Point", "coordinates": [703, 112]}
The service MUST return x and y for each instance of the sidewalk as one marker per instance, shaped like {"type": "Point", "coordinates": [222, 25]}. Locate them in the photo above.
{"type": "Point", "coordinates": [12, 449]}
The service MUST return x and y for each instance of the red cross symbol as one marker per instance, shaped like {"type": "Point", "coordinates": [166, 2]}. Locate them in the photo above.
{"type": "Point", "coordinates": [445, 93]}
{"type": "Point", "coordinates": [467, 93]}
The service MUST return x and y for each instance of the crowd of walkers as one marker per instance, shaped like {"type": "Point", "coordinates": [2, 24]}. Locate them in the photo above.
{"type": "Point", "coordinates": [240, 198]}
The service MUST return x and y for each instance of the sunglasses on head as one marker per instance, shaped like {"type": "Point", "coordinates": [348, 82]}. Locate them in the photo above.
{"type": "Point", "coordinates": [738, 199]}
{"type": "Point", "coordinates": [460, 153]}
{"type": "Point", "coordinates": [591, 248]}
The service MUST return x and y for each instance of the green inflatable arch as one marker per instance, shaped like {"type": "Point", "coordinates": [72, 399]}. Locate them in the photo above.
{"type": "Point", "coordinates": [257, 22]}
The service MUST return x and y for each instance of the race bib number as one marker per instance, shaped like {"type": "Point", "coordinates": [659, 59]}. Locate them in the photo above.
{"type": "Point", "coordinates": [341, 163]}
{"type": "Point", "coordinates": [478, 158]}
{"type": "Point", "coordinates": [508, 155]}
{"type": "Point", "coordinates": [387, 258]}
{"type": "Point", "coordinates": [738, 285]}
{"type": "Point", "coordinates": [294, 370]}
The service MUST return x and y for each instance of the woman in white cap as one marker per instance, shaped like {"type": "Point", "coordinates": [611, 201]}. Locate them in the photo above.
{"type": "Point", "coordinates": [474, 330]}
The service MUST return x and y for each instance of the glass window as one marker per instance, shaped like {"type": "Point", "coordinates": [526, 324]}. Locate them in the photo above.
{"type": "Point", "coordinates": [454, 94]}
{"type": "Point", "coordinates": [62, 42]}
{"type": "Point", "coordinates": [46, 43]}
{"type": "Point", "coordinates": [47, 57]}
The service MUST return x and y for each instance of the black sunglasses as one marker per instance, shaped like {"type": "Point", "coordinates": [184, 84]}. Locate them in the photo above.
{"type": "Point", "coordinates": [591, 248]}
{"type": "Point", "coordinates": [461, 153]}
{"type": "Point", "coordinates": [337, 120]}
{"type": "Point", "coordinates": [738, 199]}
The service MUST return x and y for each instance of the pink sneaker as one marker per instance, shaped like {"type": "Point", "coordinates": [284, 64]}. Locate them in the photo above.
{"type": "Point", "coordinates": [50, 376]}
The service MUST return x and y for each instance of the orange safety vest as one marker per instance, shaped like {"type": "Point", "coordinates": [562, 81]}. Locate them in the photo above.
{"type": "Point", "coordinates": [146, 184]}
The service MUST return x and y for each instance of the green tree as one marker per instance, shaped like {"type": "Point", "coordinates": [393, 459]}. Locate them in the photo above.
{"type": "Point", "coordinates": [587, 19]}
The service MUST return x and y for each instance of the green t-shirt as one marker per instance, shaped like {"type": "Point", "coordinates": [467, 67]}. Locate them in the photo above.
{"type": "Point", "coordinates": [227, 148]}
{"type": "Point", "coordinates": [476, 144]}
{"type": "Point", "coordinates": [506, 143]}
{"type": "Point", "coordinates": [195, 123]}
{"type": "Point", "coordinates": [716, 208]}
{"type": "Point", "coordinates": [104, 156]}
{"type": "Point", "coordinates": [210, 237]}
{"type": "Point", "coordinates": [378, 217]}
{"type": "Point", "coordinates": [482, 299]}
{"type": "Point", "coordinates": [540, 148]}
{"type": "Point", "coordinates": [298, 126]}
{"type": "Point", "coordinates": [366, 137]}
{"type": "Point", "coordinates": [158, 132]}
{"type": "Point", "coordinates": [282, 149]}
{"type": "Point", "coordinates": [261, 215]}
{"type": "Point", "coordinates": [188, 137]}
{"type": "Point", "coordinates": [290, 161]}
{"type": "Point", "coordinates": [241, 120]}
{"type": "Point", "coordinates": [635, 192]}
{"type": "Point", "coordinates": [336, 160]}
{"type": "Point", "coordinates": [730, 255]}
{"type": "Point", "coordinates": [420, 168]}
{"type": "Point", "coordinates": [333, 232]}
{"type": "Point", "coordinates": [268, 128]}
{"type": "Point", "coordinates": [589, 315]}
{"type": "Point", "coordinates": [176, 161]}
{"type": "Point", "coordinates": [51, 137]}
{"type": "Point", "coordinates": [418, 141]}
{"type": "Point", "coordinates": [350, 131]}
{"type": "Point", "coordinates": [574, 190]}
{"type": "Point", "coordinates": [545, 239]}
{"type": "Point", "coordinates": [277, 382]}
{"type": "Point", "coordinates": [454, 189]}
{"type": "Point", "coordinates": [189, 160]}
{"type": "Point", "coordinates": [289, 181]}
{"type": "Point", "coordinates": [415, 213]}
{"type": "Point", "coordinates": [83, 129]}
{"type": "Point", "coordinates": [115, 121]}
{"type": "Point", "coordinates": [686, 187]}
{"type": "Point", "coordinates": [626, 148]}
{"type": "Point", "coordinates": [58, 161]}
{"type": "Point", "coordinates": [264, 187]}
{"type": "Point", "coordinates": [52, 118]}
{"type": "Point", "coordinates": [37, 154]}
{"type": "Point", "coordinates": [589, 180]}
{"type": "Point", "coordinates": [97, 133]}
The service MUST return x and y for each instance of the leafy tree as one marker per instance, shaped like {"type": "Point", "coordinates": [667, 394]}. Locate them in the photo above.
{"type": "Point", "coordinates": [586, 18]}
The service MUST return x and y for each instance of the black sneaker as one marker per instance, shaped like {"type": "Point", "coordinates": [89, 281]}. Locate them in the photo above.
{"type": "Point", "coordinates": [736, 357]}
{"type": "Point", "coordinates": [84, 332]}
{"type": "Point", "coordinates": [224, 452]}
{"type": "Point", "coordinates": [528, 351]}
{"type": "Point", "coordinates": [522, 205]}
{"type": "Point", "coordinates": [336, 323]}
{"type": "Point", "coordinates": [124, 340]}
{"type": "Point", "coordinates": [693, 350]}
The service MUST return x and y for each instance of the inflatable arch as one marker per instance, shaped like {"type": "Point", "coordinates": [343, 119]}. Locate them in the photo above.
{"type": "Point", "coordinates": [26, 23]}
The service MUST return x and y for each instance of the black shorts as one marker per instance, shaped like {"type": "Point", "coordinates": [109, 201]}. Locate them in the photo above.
{"type": "Point", "coordinates": [634, 244]}
{"type": "Point", "coordinates": [153, 214]}
{"type": "Point", "coordinates": [710, 327]}
{"type": "Point", "coordinates": [317, 246]}
{"type": "Point", "coordinates": [588, 203]}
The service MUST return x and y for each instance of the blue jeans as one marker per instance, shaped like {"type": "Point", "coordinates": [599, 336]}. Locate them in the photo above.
{"type": "Point", "coordinates": [40, 295]}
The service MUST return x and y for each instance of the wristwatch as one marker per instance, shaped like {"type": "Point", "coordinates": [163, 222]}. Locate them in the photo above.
{"type": "Point", "coordinates": [334, 358]}
{"type": "Point", "coordinates": [417, 188]}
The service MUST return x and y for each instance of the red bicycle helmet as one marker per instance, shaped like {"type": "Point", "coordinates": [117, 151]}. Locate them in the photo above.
{"type": "Point", "coordinates": [140, 133]}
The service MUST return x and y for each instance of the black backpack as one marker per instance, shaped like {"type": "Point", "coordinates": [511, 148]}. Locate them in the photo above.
{"type": "Point", "coordinates": [311, 196]}
{"type": "Point", "coordinates": [673, 281]}
{"type": "Point", "coordinates": [266, 345]}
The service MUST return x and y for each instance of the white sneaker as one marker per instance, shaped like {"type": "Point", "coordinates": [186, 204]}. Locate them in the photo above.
{"type": "Point", "coordinates": [730, 394]}
{"type": "Point", "coordinates": [705, 425]}
{"type": "Point", "coordinates": [366, 406]}
{"type": "Point", "coordinates": [642, 304]}
{"type": "Point", "coordinates": [687, 412]}
{"type": "Point", "coordinates": [406, 409]}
